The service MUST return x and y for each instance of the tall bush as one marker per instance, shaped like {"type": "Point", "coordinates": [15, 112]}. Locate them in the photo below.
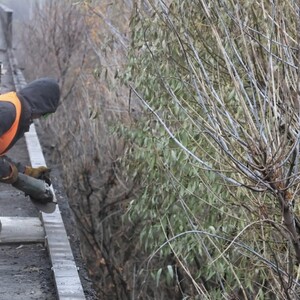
{"type": "Point", "coordinates": [217, 151]}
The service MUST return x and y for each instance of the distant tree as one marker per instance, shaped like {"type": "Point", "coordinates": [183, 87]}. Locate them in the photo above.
{"type": "Point", "coordinates": [54, 43]}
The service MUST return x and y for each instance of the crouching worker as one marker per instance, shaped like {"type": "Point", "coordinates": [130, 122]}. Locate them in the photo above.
{"type": "Point", "coordinates": [17, 112]}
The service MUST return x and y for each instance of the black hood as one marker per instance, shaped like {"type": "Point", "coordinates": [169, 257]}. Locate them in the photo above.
{"type": "Point", "coordinates": [42, 95]}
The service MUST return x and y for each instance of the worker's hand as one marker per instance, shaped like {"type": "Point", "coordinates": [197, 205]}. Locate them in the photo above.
{"type": "Point", "coordinates": [13, 176]}
{"type": "Point", "coordinates": [39, 173]}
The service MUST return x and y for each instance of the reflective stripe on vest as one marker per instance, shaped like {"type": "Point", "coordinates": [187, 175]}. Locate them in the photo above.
{"type": "Point", "coordinates": [8, 136]}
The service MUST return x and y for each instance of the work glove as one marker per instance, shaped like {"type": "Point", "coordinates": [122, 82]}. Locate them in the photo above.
{"type": "Point", "coordinates": [12, 177]}
{"type": "Point", "coordinates": [39, 173]}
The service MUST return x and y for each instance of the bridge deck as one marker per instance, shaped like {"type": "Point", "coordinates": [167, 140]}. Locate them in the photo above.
{"type": "Point", "coordinates": [31, 267]}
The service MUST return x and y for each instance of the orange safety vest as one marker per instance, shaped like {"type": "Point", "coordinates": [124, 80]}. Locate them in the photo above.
{"type": "Point", "coordinates": [8, 136]}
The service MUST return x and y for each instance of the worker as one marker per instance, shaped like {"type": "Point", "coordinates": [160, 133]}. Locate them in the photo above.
{"type": "Point", "coordinates": [17, 111]}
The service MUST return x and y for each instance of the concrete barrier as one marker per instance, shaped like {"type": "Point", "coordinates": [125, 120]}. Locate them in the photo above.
{"type": "Point", "coordinates": [6, 15]}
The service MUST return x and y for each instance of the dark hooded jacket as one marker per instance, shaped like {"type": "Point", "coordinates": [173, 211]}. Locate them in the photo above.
{"type": "Point", "coordinates": [39, 97]}
{"type": "Point", "coordinates": [42, 95]}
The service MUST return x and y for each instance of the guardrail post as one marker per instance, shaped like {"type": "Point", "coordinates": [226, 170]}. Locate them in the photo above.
{"type": "Point", "coordinates": [6, 15]}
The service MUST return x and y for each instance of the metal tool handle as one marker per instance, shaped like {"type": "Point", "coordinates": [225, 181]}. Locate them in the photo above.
{"type": "Point", "coordinates": [37, 189]}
